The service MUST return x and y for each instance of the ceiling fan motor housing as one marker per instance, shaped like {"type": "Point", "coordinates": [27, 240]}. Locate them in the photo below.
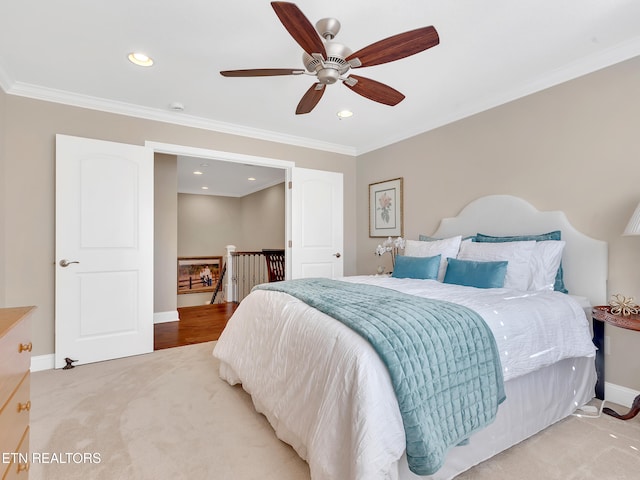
{"type": "Point", "coordinates": [329, 70]}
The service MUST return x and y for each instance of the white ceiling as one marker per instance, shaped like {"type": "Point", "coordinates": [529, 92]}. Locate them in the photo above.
{"type": "Point", "coordinates": [490, 52]}
{"type": "Point", "coordinates": [224, 178]}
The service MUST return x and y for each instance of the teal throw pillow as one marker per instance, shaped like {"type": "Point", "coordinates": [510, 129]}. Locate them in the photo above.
{"type": "Point", "coordinates": [424, 268]}
{"type": "Point", "coordinates": [476, 274]}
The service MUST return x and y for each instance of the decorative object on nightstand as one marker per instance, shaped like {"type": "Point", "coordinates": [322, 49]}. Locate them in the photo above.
{"type": "Point", "coordinates": [621, 305]}
{"type": "Point", "coordinates": [393, 247]}
{"type": "Point", "coordinates": [601, 315]}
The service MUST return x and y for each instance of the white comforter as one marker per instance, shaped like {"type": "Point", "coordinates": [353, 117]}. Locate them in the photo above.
{"type": "Point", "coordinates": [327, 393]}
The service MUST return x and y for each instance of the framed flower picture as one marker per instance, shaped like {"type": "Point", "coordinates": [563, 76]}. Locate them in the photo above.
{"type": "Point", "coordinates": [385, 208]}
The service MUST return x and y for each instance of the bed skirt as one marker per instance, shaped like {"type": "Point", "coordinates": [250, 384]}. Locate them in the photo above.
{"type": "Point", "coordinates": [534, 402]}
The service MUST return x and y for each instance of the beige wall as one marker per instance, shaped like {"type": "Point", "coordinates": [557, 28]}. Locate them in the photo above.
{"type": "Point", "coordinates": [573, 147]}
{"type": "Point", "coordinates": [263, 219]}
{"type": "Point", "coordinates": [207, 224]}
{"type": "Point", "coordinates": [28, 188]}
{"type": "Point", "coordinates": [165, 225]}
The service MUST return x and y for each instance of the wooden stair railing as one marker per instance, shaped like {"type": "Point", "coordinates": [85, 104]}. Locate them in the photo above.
{"type": "Point", "coordinates": [275, 264]}
{"type": "Point", "coordinates": [218, 284]}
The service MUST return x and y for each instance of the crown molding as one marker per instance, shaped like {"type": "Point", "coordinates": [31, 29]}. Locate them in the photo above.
{"type": "Point", "coordinates": [584, 66]}
{"type": "Point", "coordinates": [177, 118]}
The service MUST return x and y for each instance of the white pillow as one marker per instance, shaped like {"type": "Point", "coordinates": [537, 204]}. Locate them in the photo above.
{"type": "Point", "coordinates": [518, 254]}
{"type": "Point", "coordinates": [544, 263]}
{"type": "Point", "coordinates": [447, 247]}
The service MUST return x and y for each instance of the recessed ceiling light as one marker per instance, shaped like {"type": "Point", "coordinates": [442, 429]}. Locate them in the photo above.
{"type": "Point", "coordinates": [197, 172]}
{"type": "Point", "coordinates": [140, 59]}
{"type": "Point", "coordinates": [205, 188]}
{"type": "Point", "coordinates": [344, 114]}
{"type": "Point", "coordinates": [251, 179]}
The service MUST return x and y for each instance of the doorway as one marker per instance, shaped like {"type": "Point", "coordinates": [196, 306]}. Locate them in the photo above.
{"type": "Point", "coordinates": [220, 204]}
{"type": "Point", "coordinates": [194, 221]}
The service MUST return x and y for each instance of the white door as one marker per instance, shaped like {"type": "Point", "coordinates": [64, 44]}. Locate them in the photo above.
{"type": "Point", "coordinates": [104, 250]}
{"type": "Point", "coordinates": [316, 224]}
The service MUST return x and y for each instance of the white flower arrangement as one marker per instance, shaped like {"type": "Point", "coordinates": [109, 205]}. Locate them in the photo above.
{"type": "Point", "coordinates": [392, 246]}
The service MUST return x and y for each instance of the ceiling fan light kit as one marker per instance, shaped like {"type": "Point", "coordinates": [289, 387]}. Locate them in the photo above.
{"type": "Point", "coordinates": [331, 61]}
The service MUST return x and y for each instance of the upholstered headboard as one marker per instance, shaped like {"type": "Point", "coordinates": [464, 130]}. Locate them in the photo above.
{"type": "Point", "coordinates": [585, 259]}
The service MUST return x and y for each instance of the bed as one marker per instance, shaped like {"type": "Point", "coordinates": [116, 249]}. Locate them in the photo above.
{"type": "Point", "coordinates": [328, 394]}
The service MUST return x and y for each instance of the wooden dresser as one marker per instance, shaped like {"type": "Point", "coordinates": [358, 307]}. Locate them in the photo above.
{"type": "Point", "coordinates": [15, 362]}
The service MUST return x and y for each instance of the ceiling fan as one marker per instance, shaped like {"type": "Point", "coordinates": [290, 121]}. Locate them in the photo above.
{"type": "Point", "coordinates": [330, 61]}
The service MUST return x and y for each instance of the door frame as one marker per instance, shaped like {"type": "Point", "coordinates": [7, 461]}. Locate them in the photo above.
{"type": "Point", "coordinates": [287, 165]}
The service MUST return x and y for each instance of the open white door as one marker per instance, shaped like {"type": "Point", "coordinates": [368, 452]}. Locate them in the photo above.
{"type": "Point", "coordinates": [104, 250]}
{"type": "Point", "coordinates": [316, 224]}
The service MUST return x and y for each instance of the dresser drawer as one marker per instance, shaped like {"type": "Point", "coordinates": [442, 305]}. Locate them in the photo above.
{"type": "Point", "coordinates": [15, 356]}
{"type": "Point", "coordinates": [18, 468]}
{"type": "Point", "coordinates": [14, 416]}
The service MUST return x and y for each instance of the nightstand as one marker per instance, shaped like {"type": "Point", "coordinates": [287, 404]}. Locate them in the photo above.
{"type": "Point", "coordinates": [601, 315]}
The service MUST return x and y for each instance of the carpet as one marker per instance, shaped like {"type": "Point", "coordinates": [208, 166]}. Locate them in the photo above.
{"type": "Point", "coordinates": [167, 415]}
{"type": "Point", "coordinates": [164, 415]}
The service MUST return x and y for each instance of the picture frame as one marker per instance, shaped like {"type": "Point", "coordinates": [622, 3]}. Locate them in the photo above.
{"type": "Point", "coordinates": [385, 208]}
{"type": "Point", "coordinates": [198, 274]}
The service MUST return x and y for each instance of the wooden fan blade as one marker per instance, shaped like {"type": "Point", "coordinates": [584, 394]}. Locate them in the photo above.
{"type": "Point", "coordinates": [310, 99]}
{"type": "Point", "coordinates": [397, 47]}
{"type": "Point", "coordinates": [299, 27]}
{"type": "Point", "coordinates": [376, 91]}
{"type": "Point", "coordinates": [261, 72]}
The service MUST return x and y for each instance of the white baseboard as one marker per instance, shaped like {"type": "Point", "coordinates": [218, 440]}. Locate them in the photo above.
{"type": "Point", "coordinates": [43, 362]}
{"type": "Point", "coordinates": [621, 395]}
{"type": "Point", "coordinates": [47, 362]}
{"type": "Point", "coordinates": [164, 317]}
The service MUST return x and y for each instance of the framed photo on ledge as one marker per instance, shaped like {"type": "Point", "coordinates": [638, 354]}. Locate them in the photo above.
{"type": "Point", "coordinates": [385, 208]}
{"type": "Point", "coordinates": [198, 274]}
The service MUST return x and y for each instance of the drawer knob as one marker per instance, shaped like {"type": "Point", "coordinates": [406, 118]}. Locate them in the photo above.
{"type": "Point", "coordinates": [24, 406]}
{"type": "Point", "coordinates": [25, 347]}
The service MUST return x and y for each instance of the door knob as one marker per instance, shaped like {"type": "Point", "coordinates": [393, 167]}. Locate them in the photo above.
{"type": "Point", "coordinates": [337, 255]}
{"type": "Point", "coordinates": [65, 263]}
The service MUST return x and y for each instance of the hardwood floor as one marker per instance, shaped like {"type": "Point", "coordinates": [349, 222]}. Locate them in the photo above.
{"type": "Point", "coordinates": [202, 323]}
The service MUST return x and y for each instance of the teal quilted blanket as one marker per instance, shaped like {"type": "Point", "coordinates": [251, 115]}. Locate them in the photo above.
{"type": "Point", "coordinates": [441, 356]}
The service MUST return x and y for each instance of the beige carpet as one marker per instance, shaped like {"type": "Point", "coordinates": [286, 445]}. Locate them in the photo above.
{"type": "Point", "coordinates": [167, 415]}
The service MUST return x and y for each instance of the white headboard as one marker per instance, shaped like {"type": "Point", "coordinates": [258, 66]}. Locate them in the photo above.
{"type": "Point", "coordinates": [584, 259]}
